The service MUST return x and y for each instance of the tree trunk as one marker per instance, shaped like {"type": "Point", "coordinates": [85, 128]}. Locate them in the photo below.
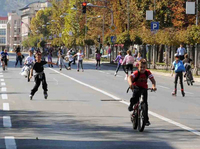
{"type": "Point", "coordinates": [160, 53]}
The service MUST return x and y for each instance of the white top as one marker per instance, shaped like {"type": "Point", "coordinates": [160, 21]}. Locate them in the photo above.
{"type": "Point", "coordinates": [79, 56]}
{"type": "Point", "coordinates": [139, 58]}
{"type": "Point", "coordinates": [70, 57]}
{"type": "Point", "coordinates": [30, 59]}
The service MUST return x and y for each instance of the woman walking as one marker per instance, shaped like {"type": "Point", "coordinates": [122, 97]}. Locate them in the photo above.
{"type": "Point", "coordinates": [98, 59]}
{"type": "Point", "coordinates": [60, 60]}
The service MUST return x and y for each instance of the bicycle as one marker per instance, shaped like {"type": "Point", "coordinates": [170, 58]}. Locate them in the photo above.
{"type": "Point", "coordinates": [188, 78]}
{"type": "Point", "coordinates": [139, 117]}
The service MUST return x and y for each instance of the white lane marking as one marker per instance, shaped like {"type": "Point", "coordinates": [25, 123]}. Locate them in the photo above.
{"type": "Point", "coordinates": [10, 142]}
{"type": "Point", "coordinates": [102, 71]}
{"type": "Point", "coordinates": [2, 80]}
{"type": "Point", "coordinates": [92, 87]}
{"type": "Point", "coordinates": [188, 93]}
{"type": "Point", "coordinates": [4, 89]}
{"type": "Point", "coordinates": [124, 102]}
{"type": "Point", "coordinates": [56, 81]}
{"type": "Point", "coordinates": [3, 83]}
{"type": "Point", "coordinates": [118, 76]}
{"type": "Point", "coordinates": [7, 122]}
{"type": "Point", "coordinates": [4, 96]}
{"type": "Point", "coordinates": [163, 87]}
{"type": "Point", "coordinates": [6, 107]}
{"type": "Point", "coordinates": [1, 76]}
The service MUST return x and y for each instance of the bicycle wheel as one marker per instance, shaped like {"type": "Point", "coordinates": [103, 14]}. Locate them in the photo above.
{"type": "Point", "coordinates": [134, 120]}
{"type": "Point", "coordinates": [142, 117]}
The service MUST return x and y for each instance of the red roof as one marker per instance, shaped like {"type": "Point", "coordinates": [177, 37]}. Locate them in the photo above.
{"type": "Point", "coordinates": [3, 18]}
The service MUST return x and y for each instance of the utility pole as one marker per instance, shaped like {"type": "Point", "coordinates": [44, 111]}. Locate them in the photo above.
{"type": "Point", "coordinates": [128, 9]}
{"type": "Point", "coordinates": [196, 45]}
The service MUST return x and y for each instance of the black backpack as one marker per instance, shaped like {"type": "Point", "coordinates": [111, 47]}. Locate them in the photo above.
{"type": "Point", "coordinates": [146, 74]}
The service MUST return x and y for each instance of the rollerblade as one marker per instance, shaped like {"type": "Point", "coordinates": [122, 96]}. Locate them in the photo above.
{"type": "Point", "coordinates": [45, 95]}
{"type": "Point", "coordinates": [174, 93]}
{"type": "Point", "coordinates": [31, 97]}
{"type": "Point", "coordinates": [183, 93]}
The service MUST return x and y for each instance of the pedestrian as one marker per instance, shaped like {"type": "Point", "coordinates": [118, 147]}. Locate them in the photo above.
{"type": "Point", "coordinates": [98, 58]}
{"type": "Point", "coordinates": [50, 57]}
{"type": "Point", "coordinates": [19, 57]}
{"type": "Point", "coordinates": [138, 58]}
{"type": "Point", "coordinates": [128, 63]}
{"type": "Point", "coordinates": [60, 60]}
{"type": "Point", "coordinates": [136, 52]}
{"type": "Point", "coordinates": [74, 57]}
{"type": "Point", "coordinates": [80, 57]}
{"type": "Point", "coordinates": [118, 59]}
{"type": "Point", "coordinates": [181, 51]}
{"type": "Point", "coordinates": [4, 59]}
{"type": "Point", "coordinates": [109, 52]}
{"type": "Point", "coordinates": [39, 76]}
{"type": "Point", "coordinates": [179, 68]}
{"type": "Point", "coordinates": [70, 58]}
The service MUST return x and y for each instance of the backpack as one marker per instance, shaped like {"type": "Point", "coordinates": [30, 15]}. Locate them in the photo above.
{"type": "Point", "coordinates": [146, 74]}
{"type": "Point", "coordinates": [129, 60]}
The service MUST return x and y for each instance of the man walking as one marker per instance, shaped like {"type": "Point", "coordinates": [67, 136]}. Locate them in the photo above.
{"type": "Point", "coordinates": [181, 51]}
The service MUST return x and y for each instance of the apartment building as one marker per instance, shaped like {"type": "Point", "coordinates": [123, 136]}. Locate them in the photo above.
{"type": "Point", "coordinates": [14, 30]}
{"type": "Point", "coordinates": [28, 12]}
{"type": "Point", "coordinates": [3, 33]}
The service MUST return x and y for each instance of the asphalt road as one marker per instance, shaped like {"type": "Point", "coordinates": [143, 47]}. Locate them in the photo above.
{"type": "Point", "coordinates": [88, 110]}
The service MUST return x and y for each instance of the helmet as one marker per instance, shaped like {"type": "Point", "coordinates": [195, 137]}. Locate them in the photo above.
{"type": "Point", "coordinates": [176, 55]}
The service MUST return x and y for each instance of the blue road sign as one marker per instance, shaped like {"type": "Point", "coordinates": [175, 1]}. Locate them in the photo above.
{"type": "Point", "coordinates": [113, 39]}
{"type": "Point", "coordinates": [154, 26]}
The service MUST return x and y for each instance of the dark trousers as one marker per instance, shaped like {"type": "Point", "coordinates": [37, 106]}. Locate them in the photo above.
{"type": "Point", "coordinates": [118, 66]}
{"type": "Point", "coordinates": [180, 76]}
{"type": "Point", "coordinates": [181, 57]}
{"type": "Point", "coordinates": [129, 67]}
{"type": "Point", "coordinates": [38, 80]}
{"type": "Point", "coordinates": [69, 64]}
{"type": "Point", "coordinates": [98, 63]}
{"type": "Point", "coordinates": [136, 95]}
{"type": "Point", "coordinates": [18, 59]}
{"type": "Point", "coordinates": [189, 74]}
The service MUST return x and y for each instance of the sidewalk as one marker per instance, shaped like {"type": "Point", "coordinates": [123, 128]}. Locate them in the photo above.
{"type": "Point", "coordinates": [166, 74]}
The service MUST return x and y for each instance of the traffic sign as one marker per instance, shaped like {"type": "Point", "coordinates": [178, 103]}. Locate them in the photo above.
{"type": "Point", "coordinates": [113, 39]}
{"type": "Point", "coordinates": [112, 27]}
{"type": "Point", "coordinates": [154, 26]}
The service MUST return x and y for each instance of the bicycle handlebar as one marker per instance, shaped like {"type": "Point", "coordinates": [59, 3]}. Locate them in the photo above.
{"type": "Point", "coordinates": [151, 89]}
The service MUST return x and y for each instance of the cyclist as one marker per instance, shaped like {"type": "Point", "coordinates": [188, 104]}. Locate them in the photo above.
{"type": "Point", "coordinates": [4, 58]}
{"type": "Point", "coordinates": [179, 69]}
{"type": "Point", "coordinates": [39, 75]}
{"type": "Point", "coordinates": [138, 82]}
{"type": "Point", "coordinates": [187, 61]}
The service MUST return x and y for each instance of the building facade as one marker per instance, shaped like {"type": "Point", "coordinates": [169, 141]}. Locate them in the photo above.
{"type": "Point", "coordinates": [29, 12]}
{"type": "Point", "coordinates": [3, 33]}
{"type": "Point", "coordinates": [14, 30]}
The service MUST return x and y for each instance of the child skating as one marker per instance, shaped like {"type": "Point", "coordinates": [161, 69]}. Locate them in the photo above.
{"type": "Point", "coordinates": [39, 76]}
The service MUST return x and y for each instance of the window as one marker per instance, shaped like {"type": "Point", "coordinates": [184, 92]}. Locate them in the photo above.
{"type": "Point", "coordinates": [2, 31]}
{"type": "Point", "coordinates": [15, 22]}
{"type": "Point", "coordinates": [15, 38]}
{"type": "Point", "coordinates": [2, 40]}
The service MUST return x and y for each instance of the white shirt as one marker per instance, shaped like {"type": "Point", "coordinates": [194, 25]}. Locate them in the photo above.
{"type": "Point", "coordinates": [79, 56]}
{"type": "Point", "coordinates": [30, 59]}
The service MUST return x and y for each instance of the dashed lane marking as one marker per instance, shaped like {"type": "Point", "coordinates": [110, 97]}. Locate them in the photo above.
{"type": "Point", "coordinates": [4, 96]}
{"type": "Point", "coordinates": [10, 142]}
{"type": "Point", "coordinates": [1, 76]}
{"type": "Point", "coordinates": [4, 89]}
{"type": "Point", "coordinates": [3, 83]}
{"type": "Point", "coordinates": [124, 102]}
{"type": "Point", "coordinates": [2, 80]}
{"type": "Point", "coordinates": [7, 122]}
{"type": "Point", "coordinates": [6, 107]}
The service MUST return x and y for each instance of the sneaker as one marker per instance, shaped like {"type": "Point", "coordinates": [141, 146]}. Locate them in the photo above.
{"type": "Point", "coordinates": [115, 74]}
{"type": "Point", "coordinates": [31, 97]}
{"type": "Point", "coordinates": [78, 70]}
{"type": "Point", "coordinates": [45, 96]}
{"type": "Point", "coordinates": [192, 81]}
{"type": "Point", "coordinates": [60, 69]}
{"type": "Point", "coordinates": [148, 123]}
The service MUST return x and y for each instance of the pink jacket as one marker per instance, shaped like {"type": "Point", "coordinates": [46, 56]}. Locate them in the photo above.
{"type": "Point", "coordinates": [128, 60]}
